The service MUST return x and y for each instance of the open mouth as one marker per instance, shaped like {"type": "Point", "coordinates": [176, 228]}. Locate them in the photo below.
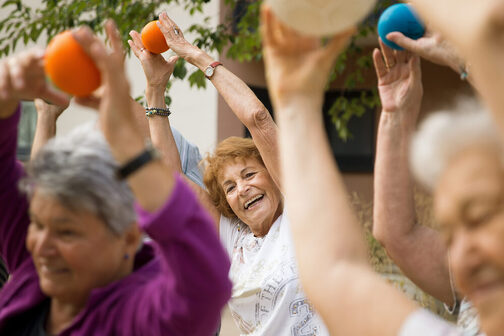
{"type": "Point", "coordinates": [253, 201]}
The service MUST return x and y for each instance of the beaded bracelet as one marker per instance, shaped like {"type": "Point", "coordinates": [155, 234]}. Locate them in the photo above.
{"type": "Point", "coordinates": [150, 111]}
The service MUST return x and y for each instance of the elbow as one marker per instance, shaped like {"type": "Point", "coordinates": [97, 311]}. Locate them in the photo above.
{"type": "Point", "coordinates": [260, 118]}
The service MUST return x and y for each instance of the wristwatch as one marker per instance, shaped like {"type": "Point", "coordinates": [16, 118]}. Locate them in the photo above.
{"type": "Point", "coordinates": [209, 70]}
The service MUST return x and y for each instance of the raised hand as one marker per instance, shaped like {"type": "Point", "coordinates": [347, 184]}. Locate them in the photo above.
{"type": "Point", "coordinates": [115, 109]}
{"type": "Point", "coordinates": [176, 40]}
{"type": "Point", "coordinates": [157, 70]}
{"type": "Point", "coordinates": [432, 46]}
{"type": "Point", "coordinates": [296, 64]}
{"type": "Point", "coordinates": [51, 110]}
{"type": "Point", "coordinates": [399, 80]}
{"type": "Point", "coordinates": [22, 77]}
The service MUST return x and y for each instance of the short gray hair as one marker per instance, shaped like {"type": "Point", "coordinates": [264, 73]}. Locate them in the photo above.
{"type": "Point", "coordinates": [445, 134]}
{"type": "Point", "coordinates": [79, 171]}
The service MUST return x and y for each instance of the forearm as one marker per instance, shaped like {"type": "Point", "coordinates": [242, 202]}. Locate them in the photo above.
{"type": "Point", "coordinates": [44, 131]}
{"type": "Point", "coordinates": [240, 98]}
{"type": "Point", "coordinates": [315, 192]}
{"type": "Point", "coordinates": [152, 183]}
{"type": "Point", "coordinates": [394, 206]}
{"type": "Point", "coordinates": [417, 249]}
{"type": "Point", "coordinates": [333, 251]}
{"type": "Point", "coordinates": [160, 130]}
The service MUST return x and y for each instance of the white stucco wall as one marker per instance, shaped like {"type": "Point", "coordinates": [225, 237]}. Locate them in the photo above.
{"type": "Point", "coordinates": [194, 110]}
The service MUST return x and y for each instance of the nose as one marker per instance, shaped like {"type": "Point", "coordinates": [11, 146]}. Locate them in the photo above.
{"type": "Point", "coordinates": [42, 244]}
{"type": "Point", "coordinates": [242, 187]}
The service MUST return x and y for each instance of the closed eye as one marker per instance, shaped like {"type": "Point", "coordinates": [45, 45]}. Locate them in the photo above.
{"type": "Point", "coordinates": [229, 189]}
{"type": "Point", "coordinates": [66, 233]}
{"type": "Point", "coordinates": [36, 225]}
{"type": "Point", "coordinates": [250, 174]}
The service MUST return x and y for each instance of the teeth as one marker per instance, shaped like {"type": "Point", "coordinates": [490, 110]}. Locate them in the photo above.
{"type": "Point", "coordinates": [252, 200]}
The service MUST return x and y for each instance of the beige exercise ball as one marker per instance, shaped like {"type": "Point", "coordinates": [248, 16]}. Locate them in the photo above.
{"type": "Point", "coordinates": [321, 17]}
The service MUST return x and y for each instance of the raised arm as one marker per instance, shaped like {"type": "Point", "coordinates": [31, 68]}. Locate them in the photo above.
{"type": "Point", "coordinates": [21, 77]}
{"type": "Point", "coordinates": [157, 72]}
{"type": "Point", "coordinates": [332, 258]}
{"type": "Point", "coordinates": [240, 98]}
{"type": "Point", "coordinates": [47, 115]}
{"type": "Point", "coordinates": [185, 296]}
{"type": "Point", "coordinates": [418, 250]}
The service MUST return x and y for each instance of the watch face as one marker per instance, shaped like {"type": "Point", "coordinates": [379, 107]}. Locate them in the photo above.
{"type": "Point", "coordinates": [209, 71]}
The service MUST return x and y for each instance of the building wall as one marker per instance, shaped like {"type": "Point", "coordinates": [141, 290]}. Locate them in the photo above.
{"type": "Point", "coordinates": [441, 88]}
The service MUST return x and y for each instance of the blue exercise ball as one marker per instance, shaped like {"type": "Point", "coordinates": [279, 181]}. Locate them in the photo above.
{"type": "Point", "coordinates": [401, 18]}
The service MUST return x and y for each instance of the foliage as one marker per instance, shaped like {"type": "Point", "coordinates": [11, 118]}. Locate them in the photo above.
{"type": "Point", "coordinates": [238, 35]}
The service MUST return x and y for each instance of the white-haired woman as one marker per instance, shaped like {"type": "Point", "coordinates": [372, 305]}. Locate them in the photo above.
{"type": "Point", "coordinates": [72, 245]}
{"type": "Point", "coordinates": [351, 298]}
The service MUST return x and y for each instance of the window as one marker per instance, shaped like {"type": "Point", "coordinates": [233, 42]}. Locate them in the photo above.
{"type": "Point", "coordinates": [356, 155]}
{"type": "Point", "coordinates": [26, 130]}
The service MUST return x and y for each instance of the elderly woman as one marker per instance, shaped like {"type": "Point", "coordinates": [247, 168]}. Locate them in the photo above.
{"type": "Point", "coordinates": [242, 180]}
{"type": "Point", "coordinates": [350, 297]}
{"type": "Point", "coordinates": [417, 249]}
{"type": "Point", "coordinates": [72, 245]}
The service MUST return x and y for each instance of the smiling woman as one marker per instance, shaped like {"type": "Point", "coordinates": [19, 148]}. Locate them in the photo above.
{"type": "Point", "coordinates": [244, 197]}
{"type": "Point", "coordinates": [255, 231]}
{"type": "Point", "coordinates": [71, 240]}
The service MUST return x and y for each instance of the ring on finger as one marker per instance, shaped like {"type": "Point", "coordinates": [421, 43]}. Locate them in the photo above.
{"type": "Point", "coordinates": [175, 30]}
{"type": "Point", "coordinates": [142, 49]}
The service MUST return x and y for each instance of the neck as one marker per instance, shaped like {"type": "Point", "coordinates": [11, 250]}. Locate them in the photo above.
{"type": "Point", "coordinates": [264, 229]}
{"type": "Point", "coordinates": [61, 314]}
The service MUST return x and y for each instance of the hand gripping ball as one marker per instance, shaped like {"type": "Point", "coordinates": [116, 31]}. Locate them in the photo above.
{"type": "Point", "coordinates": [401, 18]}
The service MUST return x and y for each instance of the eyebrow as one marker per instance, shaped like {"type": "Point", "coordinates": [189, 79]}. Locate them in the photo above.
{"type": "Point", "coordinates": [57, 220]}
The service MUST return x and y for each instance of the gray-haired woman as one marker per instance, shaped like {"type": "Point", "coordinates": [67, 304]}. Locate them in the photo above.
{"type": "Point", "coordinates": [72, 245]}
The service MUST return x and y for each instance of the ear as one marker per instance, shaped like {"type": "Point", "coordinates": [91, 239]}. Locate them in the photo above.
{"type": "Point", "coordinates": [132, 237]}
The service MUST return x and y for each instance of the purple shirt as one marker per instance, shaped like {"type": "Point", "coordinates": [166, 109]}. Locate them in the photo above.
{"type": "Point", "coordinates": [179, 284]}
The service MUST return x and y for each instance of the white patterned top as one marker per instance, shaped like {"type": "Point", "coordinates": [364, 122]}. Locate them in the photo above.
{"type": "Point", "coordinates": [267, 298]}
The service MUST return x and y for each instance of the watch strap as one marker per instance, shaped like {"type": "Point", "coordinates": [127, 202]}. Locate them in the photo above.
{"type": "Point", "coordinates": [146, 156]}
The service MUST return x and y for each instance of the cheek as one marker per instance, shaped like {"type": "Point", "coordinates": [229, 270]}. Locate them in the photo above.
{"type": "Point", "coordinates": [233, 202]}
{"type": "Point", "coordinates": [31, 240]}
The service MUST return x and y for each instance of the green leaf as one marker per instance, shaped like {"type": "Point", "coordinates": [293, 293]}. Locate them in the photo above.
{"type": "Point", "coordinates": [180, 70]}
{"type": "Point", "coordinates": [198, 79]}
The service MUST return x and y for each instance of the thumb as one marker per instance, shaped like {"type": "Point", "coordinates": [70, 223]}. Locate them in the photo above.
{"type": "Point", "coordinates": [173, 59]}
{"type": "Point", "coordinates": [403, 41]}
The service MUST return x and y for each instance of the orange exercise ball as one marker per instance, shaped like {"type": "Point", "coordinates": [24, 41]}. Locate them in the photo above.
{"type": "Point", "coordinates": [152, 38]}
{"type": "Point", "coordinates": [69, 67]}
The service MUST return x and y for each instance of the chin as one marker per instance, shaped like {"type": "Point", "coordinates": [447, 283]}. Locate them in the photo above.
{"type": "Point", "coordinates": [491, 315]}
{"type": "Point", "coordinates": [51, 288]}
